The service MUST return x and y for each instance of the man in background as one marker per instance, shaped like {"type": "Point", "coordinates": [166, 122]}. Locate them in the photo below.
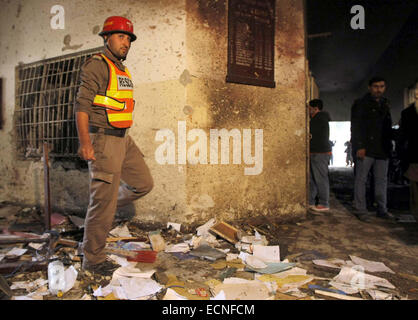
{"type": "Point", "coordinates": [320, 152]}
{"type": "Point", "coordinates": [371, 135]}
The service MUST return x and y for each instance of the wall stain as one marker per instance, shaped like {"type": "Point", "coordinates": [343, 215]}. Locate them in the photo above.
{"type": "Point", "coordinates": [96, 29]}
{"type": "Point", "coordinates": [68, 46]}
{"type": "Point", "coordinates": [185, 78]}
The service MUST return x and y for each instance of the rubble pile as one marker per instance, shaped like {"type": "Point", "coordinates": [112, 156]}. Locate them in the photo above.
{"type": "Point", "coordinates": [216, 261]}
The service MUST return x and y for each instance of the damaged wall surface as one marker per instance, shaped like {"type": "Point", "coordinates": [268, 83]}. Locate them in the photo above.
{"type": "Point", "coordinates": [179, 65]}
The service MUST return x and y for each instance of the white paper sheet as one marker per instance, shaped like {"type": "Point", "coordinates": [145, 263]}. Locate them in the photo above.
{"type": "Point", "coordinates": [180, 247]}
{"type": "Point", "coordinates": [204, 229]}
{"type": "Point", "coordinates": [361, 280]}
{"type": "Point", "coordinates": [123, 261]}
{"type": "Point", "coordinates": [138, 287]}
{"type": "Point", "coordinates": [173, 295]}
{"type": "Point", "coordinates": [70, 275]}
{"type": "Point", "coordinates": [245, 290]}
{"type": "Point", "coordinates": [120, 231]}
{"type": "Point", "coordinates": [16, 252]}
{"type": "Point", "coordinates": [131, 271]}
{"type": "Point", "coordinates": [269, 254]}
{"type": "Point", "coordinates": [29, 285]}
{"type": "Point", "coordinates": [292, 272]}
{"type": "Point", "coordinates": [255, 262]}
{"type": "Point", "coordinates": [379, 295]}
{"type": "Point", "coordinates": [370, 266]}
{"type": "Point", "coordinates": [219, 296]}
{"type": "Point", "coordinates": [348, 289]}
{"type": "Point", "coordinates": [36, 246]}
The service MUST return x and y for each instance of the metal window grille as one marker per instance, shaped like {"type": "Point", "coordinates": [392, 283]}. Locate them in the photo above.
{"type": "Point", "coordinates": [46, 93]}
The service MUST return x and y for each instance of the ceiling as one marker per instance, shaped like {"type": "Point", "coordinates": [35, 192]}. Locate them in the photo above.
{"type": "Point", "coordinates": [343, 59]}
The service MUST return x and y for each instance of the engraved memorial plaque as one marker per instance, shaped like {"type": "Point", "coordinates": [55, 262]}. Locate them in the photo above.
{"type": "Point", "coordinates": [251, 42]}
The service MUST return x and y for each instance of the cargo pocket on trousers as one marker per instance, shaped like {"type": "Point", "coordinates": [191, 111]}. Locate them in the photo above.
{"type": "Point", "coordinates": [101, 185]}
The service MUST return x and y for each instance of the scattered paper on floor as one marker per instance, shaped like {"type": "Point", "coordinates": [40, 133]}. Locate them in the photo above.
{"type": "Point", "coordinates": [132, 271]}
{"type": "Point", "coordinates": [16, 252]}
{"type": "Point", "coordinates": [269, 254]}
{"type": "Point", "coordinates": [243, 290]}
{"type": "Point", "coordinates": [172, 295]}
{"type": "Point", "coordinates": [370, 266]}
{"type": "Point", "coordinates": [333, 263]}
{"type": "Point", "coordinates": [379, 295]}
{"type": "Point", "coordinates": [120, 232]}
{"type": "Point", "coordinates": [361, 280]}
{"type": "Point", "coordinates": [204, 229]}
{"type": "Point", "coordinates": [36, 246]}
{"type": "Point", "coordinates": [70, 276]}
{"type": "Point", "coordinates": [122, 261]}
{"type": "Point", "coordinates": [180, 247]}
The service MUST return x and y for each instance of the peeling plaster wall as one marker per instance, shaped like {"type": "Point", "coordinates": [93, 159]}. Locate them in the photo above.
{"type": "Point", "coordinates": [156, 61]}
{"type": "Point", "coordinates": [280, 190]}
{"type": "Point", "coordinates": [179, 66]}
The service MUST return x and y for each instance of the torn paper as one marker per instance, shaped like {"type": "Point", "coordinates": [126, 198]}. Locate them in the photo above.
{"type": "Point", "coordinates": [135, 288]}
{"type": "Point", "coordinates": [16, 252]}
{"type": "Point", "coordinates": [245, 290]}
{"type": "Point", "coordinates": [180, 247]}
{"type": "Point", "coordinates": [361, 280]}
{"type": "Point", "coordinates": [333, 263]}
{"type": "Point", "coordinates": [204, 229]}
{"type": "Point", "coordinates": [120, 232]}
{"type": "Point", "coordinates": [173, 295]}
{"type": "Point", "coordinates": [131, 271]}
{"type": "Point", "coordinates": [380, 295]}
{"type": "Point", "coordinates": [370, 266]}
{"type": "Point", "coordinates": [70, 275]}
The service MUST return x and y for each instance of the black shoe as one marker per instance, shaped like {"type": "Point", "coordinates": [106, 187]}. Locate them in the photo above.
{"type": "Point", "coordinates": [363, 217]}
{"type": "Point", "coordinates": [105, 268]}
{"type": "Point", "coordinates": [386, 216]}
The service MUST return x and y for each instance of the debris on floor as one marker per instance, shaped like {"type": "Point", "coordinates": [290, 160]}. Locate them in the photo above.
{"type": "Point", "coordinates": [220, 261]}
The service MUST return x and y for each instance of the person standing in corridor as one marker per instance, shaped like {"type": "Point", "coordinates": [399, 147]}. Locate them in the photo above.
{"type": "Point", "coordinates": [371, 136]}
{"type": "Point", "coordinates": [320, 153]}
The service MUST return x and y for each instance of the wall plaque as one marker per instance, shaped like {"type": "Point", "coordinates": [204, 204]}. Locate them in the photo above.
{"type": "Point", "coordinates": [251, 42]}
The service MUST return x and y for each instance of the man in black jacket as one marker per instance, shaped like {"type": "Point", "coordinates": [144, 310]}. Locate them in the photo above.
{"type": "Point", "coordinates": [371, 134]}
{"type": "Point", "coordinates": [320, 151]}
{"type": "Point", "coordinates": [409, 136]}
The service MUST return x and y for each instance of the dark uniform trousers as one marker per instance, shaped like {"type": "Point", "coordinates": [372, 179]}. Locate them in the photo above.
{"type": "Point", "coordinates": [117, 158]}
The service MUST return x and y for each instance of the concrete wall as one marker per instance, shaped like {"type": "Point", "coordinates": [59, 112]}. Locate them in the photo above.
{"type": "Point", "coordinates": [179, 68]}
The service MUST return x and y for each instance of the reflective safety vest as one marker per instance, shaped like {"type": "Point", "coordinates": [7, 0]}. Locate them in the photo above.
{"type": "Point", "coordinates": [118, 101]}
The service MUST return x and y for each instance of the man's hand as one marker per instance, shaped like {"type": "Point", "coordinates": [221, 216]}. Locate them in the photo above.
{"type": "Point", "coordinates": [86, 152]}
{"type": "Point", "coordinates": [361, 153]}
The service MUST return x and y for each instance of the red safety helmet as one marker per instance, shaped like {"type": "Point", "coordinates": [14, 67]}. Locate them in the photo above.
{"type": "Point", "coordinates": [116, 24]}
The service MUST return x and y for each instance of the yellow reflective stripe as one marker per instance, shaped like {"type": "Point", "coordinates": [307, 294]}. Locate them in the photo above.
{"type": "Point", "coordinates": [119, 117]}
{"type": "Point", "coordinates": [123, 94]}
{"type": "Point", "coordinates": [107, 101]}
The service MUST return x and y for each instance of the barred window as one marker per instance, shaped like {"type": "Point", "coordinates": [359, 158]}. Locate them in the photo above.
{"type": "Point", "coordinates": [45, 96]}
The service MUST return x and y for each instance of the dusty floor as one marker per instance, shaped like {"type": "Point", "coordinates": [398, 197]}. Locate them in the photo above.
{"type": "Point", "coordinates": [337, 234]}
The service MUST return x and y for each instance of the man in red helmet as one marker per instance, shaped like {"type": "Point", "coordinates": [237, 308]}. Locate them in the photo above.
{"type": "Point", "coordinates": [104, 114]}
